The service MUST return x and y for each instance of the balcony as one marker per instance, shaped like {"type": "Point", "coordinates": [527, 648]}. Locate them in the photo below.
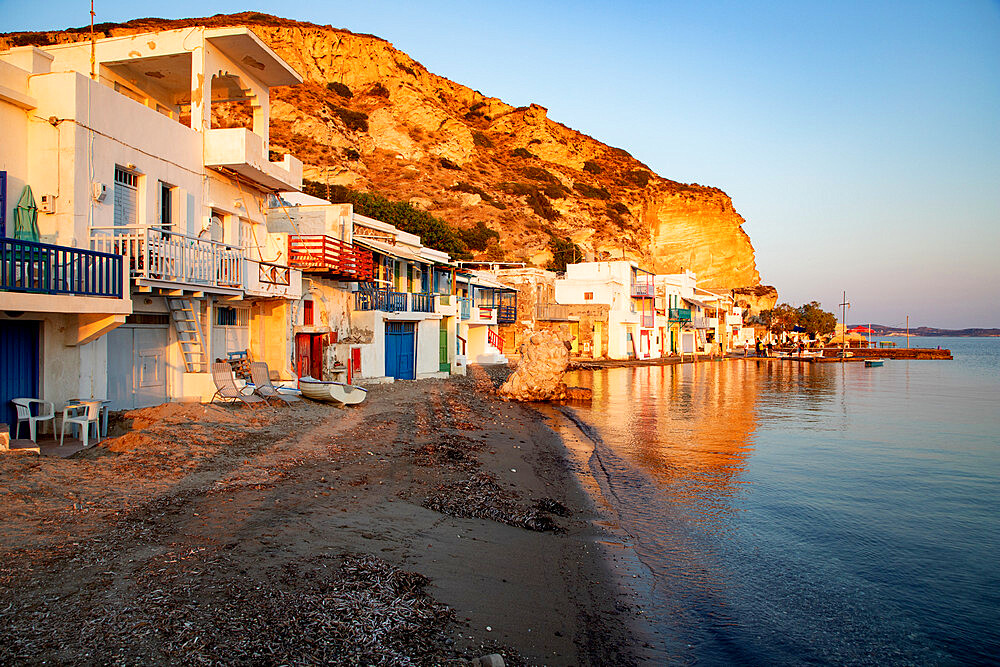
{"type": "Point", "coordinates": [380, 299]}
{"type": "Point", "coordinates": [41, 268]}
{"type": "Point", "coordinates": [327, 255]}
{"type": "Point", "coordinates": [244, 152]}
{"type": "Point", "coordinates": [273, 280]}
{"type": "Point", "coordinates": [162, 258]}
{"type": "Point", "coordinates": [506, 314]}
{"type": "Point", "coordinates": [465, 307]}
{"type": "Point", "coordinates": [643, 290]}
{"type": "Point", "coordinates": [422, 302]}
{"type": "Point", "coordinates": [679, 314]}
{"type": "Point", "coordinates": [553, 312]}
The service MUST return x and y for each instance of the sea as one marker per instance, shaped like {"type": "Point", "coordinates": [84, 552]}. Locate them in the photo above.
{"type": "Point", "coordinates": [787, 514]}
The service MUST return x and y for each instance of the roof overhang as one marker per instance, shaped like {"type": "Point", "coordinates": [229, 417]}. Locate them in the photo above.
{"type": "Point", "coordinates": [243, 47]}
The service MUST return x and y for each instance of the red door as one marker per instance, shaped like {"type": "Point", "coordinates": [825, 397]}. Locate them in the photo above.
{"type": "Point", "coordinates": [309, 354]}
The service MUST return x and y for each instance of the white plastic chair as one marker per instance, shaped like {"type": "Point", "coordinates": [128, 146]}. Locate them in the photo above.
{"type": "Point", "coordinates": [46, 411]}
{"type": "Point", "coordinates": [91, 415]}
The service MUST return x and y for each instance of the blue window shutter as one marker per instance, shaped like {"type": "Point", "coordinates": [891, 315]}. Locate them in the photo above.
{"type": "Point", "coordinates": [3, 204]}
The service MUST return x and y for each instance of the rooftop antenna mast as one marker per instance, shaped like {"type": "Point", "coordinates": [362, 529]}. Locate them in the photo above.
{"type": "Point", "coordinates": [843, 341]}
{"type": "Point", "coordinates": [93, 47]}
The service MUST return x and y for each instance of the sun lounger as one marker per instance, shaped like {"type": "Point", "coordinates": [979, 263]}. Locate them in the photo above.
{"type": "Point", "coordinates": [261, 378]}
{"type": "Point", "coordinates": [225, 385]}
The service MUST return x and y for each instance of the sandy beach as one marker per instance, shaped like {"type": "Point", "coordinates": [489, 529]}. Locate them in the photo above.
{"type": "Point", "coordinates": [432, 524]}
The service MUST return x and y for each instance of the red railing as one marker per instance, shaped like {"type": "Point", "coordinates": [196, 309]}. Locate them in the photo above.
{"type": "Point", "coordinates": [495, 340]}
{"type": "Point", "coordinates": [325, 254]}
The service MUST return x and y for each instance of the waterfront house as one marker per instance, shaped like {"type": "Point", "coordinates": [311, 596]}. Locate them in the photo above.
{"type": "Point", "coordinates": [151, 169]}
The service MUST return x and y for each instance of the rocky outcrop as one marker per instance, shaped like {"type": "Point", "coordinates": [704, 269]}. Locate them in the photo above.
{"type": "Point", "coordinates": [371, 118]}
{"type": "Point", "coordinates": [539, 374]}
{"type": "Point", "coordinates": [755, 299]}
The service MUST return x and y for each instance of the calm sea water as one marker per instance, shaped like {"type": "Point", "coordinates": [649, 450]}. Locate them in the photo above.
{"type": "Point", "coordinates": [796, 513]}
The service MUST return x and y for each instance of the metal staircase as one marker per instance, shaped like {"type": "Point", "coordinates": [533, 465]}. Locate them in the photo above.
{"type": "Point", "coordinates": [184, 313]}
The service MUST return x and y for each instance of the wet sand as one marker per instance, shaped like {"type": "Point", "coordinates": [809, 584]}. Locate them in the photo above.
{"type": "Point", "coordinates": [431, 524]}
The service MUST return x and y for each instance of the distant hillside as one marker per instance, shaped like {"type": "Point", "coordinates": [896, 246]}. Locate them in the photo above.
{"type": "Point", "coordinates": [372, 119]}
{"type": "Point", "coordinates": [882, 330]}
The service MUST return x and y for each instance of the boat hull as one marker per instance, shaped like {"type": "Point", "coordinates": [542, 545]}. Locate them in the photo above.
{"type": "Point", "coordinates": [332, 392]}
{"type": "Point", "coordinates": [873, 362]}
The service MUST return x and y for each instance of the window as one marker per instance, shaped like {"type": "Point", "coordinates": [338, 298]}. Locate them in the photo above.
{"type": "Point", "coordinates": [307, 313]}
{"type": "Point", "coordinates": [166, 205]}
{"type": "Point", "coordinates": [126, 197]}
{"type": "Point", "coordinates": [588, 296]}
{"type": "Point", "coordinates": [232, 317]}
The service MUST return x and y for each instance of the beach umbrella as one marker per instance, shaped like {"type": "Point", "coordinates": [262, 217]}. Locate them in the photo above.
{"type": "Point", "coordinates": [26, 217]}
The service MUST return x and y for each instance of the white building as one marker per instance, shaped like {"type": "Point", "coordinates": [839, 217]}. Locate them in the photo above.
{"type": "Point", "coordinates": [160, 158]}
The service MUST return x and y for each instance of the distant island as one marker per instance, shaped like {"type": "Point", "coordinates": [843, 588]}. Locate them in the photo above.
{"type": "Point", "coordinates": [882, 330]}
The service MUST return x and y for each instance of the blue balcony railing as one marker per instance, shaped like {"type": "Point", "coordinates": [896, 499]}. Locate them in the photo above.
{"type": "Point", "coordinates": [465, 307]}
{"type": "Point", "coordinates": [679, 315]}
{"type": "Point", "coordinates": [380, 299]}
{"type": "Point", "coordinates": [642, 290]}
{"type": "Point", "coordinates": [42, 268]}
{"type": "Point", "coordinates": [422, 302]}
{"type": "Point", "coordinates": [506, 314]}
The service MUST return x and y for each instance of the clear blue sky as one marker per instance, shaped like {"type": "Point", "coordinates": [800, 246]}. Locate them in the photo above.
{"type": "Point", "coordinates": [860, 140]}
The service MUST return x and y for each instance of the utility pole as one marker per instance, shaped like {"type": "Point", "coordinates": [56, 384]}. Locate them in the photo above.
{"type": "Point", "coordinates": [907, 332]}
{"type": "Point", "coordinates": [93, 47]}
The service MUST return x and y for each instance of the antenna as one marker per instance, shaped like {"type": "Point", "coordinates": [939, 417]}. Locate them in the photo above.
{"type": "Point", "coordinates": [93, 47]}
{"type": "Point", "coordinates": [843, 341]}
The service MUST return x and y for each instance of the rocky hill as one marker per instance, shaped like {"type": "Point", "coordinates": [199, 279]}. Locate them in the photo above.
{"type": "Point", "coordinates": [371, 118]}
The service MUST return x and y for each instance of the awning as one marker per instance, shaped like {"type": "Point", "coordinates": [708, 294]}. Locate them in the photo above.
{"type": "Point", "coordinates": [696, 302]}
{"type": "Point", "coordinates": [400, 252]}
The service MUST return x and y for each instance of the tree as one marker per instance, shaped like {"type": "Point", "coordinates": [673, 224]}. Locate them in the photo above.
{"type": "Point", "coordinates": [780, 319]}
{"type": "Point", "coordinates": [564, 252]}
{"type": "Point", "coordinates": [815, 320]}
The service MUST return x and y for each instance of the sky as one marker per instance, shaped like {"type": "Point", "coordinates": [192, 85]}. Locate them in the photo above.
{"type": "Point", "coordinates": [859, 140]}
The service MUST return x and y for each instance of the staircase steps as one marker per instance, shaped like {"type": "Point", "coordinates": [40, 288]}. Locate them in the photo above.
{"type": "Point", "coordinates": [185, 315]}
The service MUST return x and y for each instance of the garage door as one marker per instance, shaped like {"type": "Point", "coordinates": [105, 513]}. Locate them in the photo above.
{"type": "Point", "coordinates": [137, 367]}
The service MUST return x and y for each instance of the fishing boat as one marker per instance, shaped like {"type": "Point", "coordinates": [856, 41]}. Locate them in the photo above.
{"type": "Point", "coordinates": [873, 362]}
{"type": "Point", "coordinates": [331, 392]}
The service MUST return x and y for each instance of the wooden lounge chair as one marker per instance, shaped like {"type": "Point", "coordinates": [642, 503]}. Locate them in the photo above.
{"type": "Point", "coordinates": [225, 385]}
{"type": "Point", "coordinates": [261, 378]}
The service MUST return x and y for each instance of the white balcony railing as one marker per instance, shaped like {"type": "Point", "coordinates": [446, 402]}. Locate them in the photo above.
{"type": "Point", "coordinates": [161, 255]}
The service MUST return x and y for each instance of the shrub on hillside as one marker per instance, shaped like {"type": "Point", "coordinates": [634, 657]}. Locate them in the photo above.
{"type": "Point", "coordinates": [354, 120]}
{"type": "Point", "coordinates": [340, 88]}
{"type": "Point", "coordinates": [592, 167]}
{"type": "Point", "coordinates": [555, 191]}
{"type": "Point", "coordinates": [522, 153]}
{"type": "Point", "coordinates": [378, 90]}
{"type": "Point", "coordinates": [638, 177]}
{"type": "Point", "coordinates": [448, 164]}
{"type": "Point", "coordinates": [479, 237]}
{"type": "Point", "coordinates": [538, 174]}
{"type": "Point", "coordinates": [481, 140]}
{"type": "Point", "coordinates": [590, 192]}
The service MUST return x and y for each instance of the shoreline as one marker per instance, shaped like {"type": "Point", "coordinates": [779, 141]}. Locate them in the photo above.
{"type": "Point", "coordinates": [204, 514]}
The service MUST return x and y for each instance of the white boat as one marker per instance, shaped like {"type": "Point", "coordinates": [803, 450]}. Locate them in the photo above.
{"type": "Point", "coordinates": [335, 392]}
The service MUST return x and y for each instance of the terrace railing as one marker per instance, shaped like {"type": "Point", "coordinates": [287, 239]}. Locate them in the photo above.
{"type": "Point", "coordinates": [380, 299]}
{"type": "Point", "coordinates": [322, 253]}
{"type": "Point", "coordinates": [495, 340]}
{"type": "Point", "coordinates": [43, 268]}
{"type": "Point", "coordinates": [642, 290]}
{"type": "Point", "coordinates": [506, 314]}
{"type": "Point", "coordinates": [679, 314]}
{"type": "Point", "coordinates": [551, 311]}
{"type": "Point", "coordinates": [422, 302]}
{"type": "Point", "coordinates": [159, 254]}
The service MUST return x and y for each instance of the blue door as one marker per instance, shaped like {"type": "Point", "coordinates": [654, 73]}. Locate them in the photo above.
{"type": "Point", "coordinates": [400, 348]}
{"type": "Point", "coordinates": [18, 366]}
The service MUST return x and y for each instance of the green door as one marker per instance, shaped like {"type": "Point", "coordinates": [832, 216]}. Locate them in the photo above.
{"type": "Point", "coordinates": [444, 365]}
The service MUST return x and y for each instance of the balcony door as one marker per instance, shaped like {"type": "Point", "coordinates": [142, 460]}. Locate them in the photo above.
{"type": "Point", "coordinates": [126, 197]}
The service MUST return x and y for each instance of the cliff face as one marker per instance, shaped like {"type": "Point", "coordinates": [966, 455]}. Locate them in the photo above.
{"type": "Point", "coordinates": [370, 117]}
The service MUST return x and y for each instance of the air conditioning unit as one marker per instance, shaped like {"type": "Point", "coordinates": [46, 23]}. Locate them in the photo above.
{"type": "Point", "coordinates": [100, 191]}
{"type": "Point", "coordinates": [47, 204]}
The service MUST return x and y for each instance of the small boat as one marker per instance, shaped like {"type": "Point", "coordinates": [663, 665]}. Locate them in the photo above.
{"type": "Point", "coordinates": [873, 362]}
{"type": "Point", "coordinates": [332, 392]}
